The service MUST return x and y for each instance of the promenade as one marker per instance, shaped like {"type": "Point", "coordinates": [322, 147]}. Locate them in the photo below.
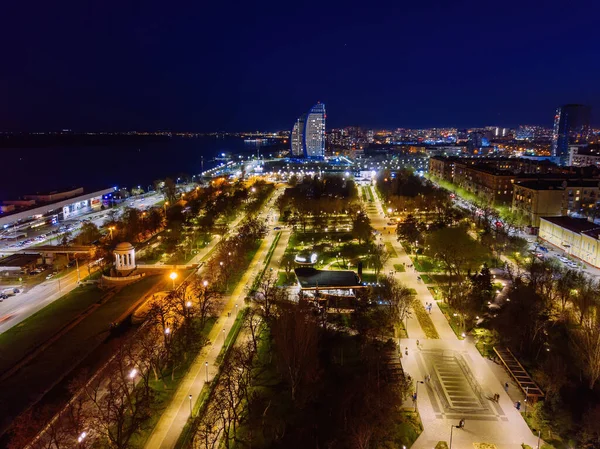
{"type": "Point", "coordinates": [175, 416]}
{"type": "Point", "coordinates": [462, 381]}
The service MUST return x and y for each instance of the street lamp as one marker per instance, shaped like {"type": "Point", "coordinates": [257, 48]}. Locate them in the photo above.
{"type": "Point", "coordinates": [111, 229]}
{"type": "Point", "coordinates": [206, 365]}
{"type": "Point", "coordinates": [173, 276]}
{"type": "Point", "coordinates": [81, 437]}
{"type": "Point", "coordinates": [191, 414]}
{"type": "Point", "coordinates": [205, 283]}
{"type": "Point", "coordinates": [451, 429]}
{"type": "Point", "coordinates": [133, 373]}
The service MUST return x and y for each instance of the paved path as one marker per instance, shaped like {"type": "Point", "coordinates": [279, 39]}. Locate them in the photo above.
{"type": "Point", "coordinates": [462, 381]}
{"type": "Point", "coordinates": [174, 418]}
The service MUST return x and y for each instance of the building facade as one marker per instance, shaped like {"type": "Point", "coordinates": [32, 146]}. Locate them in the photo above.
{"type": "Point", "coordinates": [571, 126]}
{"type": "Point", "coordinates": [577, 236]}
{"type": "Point", "coordinates": [297, 137]}
{"type": "Point", "coordinates": [307, 138]}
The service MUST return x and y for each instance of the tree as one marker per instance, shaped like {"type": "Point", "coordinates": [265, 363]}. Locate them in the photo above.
{"type": "Point", "coordinates": [411, 230]}
{"type": "Point", "coordinates": [117, 408]}
{"type": "Point", "coordinates": [379, 257]}
{"type": "Point", "coordinates": [88, 234]}
{"type": "Point", "coordinates": [268, 295]}
{"type": "Point", "coordinates": [361, 227]}
{"type": "Point", "coordinates": [169, 190]}
{"type": "Point", "coordinates": [296, 337]}
{"type": "Point", "coordinates": [586, 341]}
{"type": "Point", "coordinates": [65, 239]}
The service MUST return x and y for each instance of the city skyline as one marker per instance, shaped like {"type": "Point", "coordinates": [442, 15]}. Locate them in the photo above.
{"type": "Point", "coordinates": [221, 68]}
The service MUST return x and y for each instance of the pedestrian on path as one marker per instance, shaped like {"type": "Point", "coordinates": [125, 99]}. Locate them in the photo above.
{"type": "Point", "coordinates": [461, 423]}
{"type": "Point", "coordinates": [406, 350]}
{"type": "Point", "coordinates": [417, 344]}
{"type": "Point", "coordinates": [518, 405]}
{"type": "Point", "coordinates": [506, 387]}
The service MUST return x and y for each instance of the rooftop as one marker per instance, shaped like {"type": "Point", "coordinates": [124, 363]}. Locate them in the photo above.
{"type": "Point", "coordinates": [578, 225]}
{"type": "Point", "coordinates": [557, 184]}
{"type": "Point", "coordinates": [311, 278]}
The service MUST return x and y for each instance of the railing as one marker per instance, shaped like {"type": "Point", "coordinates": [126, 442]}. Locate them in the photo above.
{"type": "Point", "coordinates": [519, 374]}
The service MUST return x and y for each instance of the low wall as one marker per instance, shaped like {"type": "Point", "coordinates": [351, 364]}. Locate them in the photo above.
{"type": "Point", "coordinates": [133, 277]}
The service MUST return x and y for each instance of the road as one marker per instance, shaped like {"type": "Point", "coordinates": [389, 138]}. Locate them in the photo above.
{"type": "Point", "coordinates": [462, 380]}
{"type": "Point", "coordinates": [21, 306]}
{"type": "Point", "coordinates": [172, 421]}
{"type": "Point", "coordinates": [554, 251]}
{"type": "Point", "coordinates": [97, 217]}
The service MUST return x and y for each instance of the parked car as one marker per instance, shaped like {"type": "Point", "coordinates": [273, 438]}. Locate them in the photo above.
{"type": "Point", "coordinates": [50, 276]}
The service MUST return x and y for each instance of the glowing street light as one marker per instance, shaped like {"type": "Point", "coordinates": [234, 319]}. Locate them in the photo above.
{"type": "Point", "coordinates": [173, 276]}
{"type": "Point", "coordinates": [82, 437]}
{"type": "Point", "coordinates": [133, 373]}
{"type": "Point", "coordinates": [205, 283]}
{"type": "Point", "coordinates": [188, 304]}
{"type": "Point", "coordinates": [111, 229]}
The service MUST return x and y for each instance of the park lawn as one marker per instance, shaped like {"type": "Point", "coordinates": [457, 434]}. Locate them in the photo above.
{"type": "Point", "coordinates": [426, 279]}
{"type": "Point", "coordinates": [452, 320]}
{"type": "Point", "coordinates": [283, 279]}
{"type": "Point", "coordinates": [33, 379]}
{"type": "Point", "coordinates": [390, 249]}
{"type": "Point", "coordinates": [485, 341]}
{"type": "Point", "coordinates": [399, 267]}
{"type": "Point", "coordinates": [25, 336]}
{"type": "Point", "coordinates": [425, 264]}
{"type": "Point", "coordinates": [235, 278]}
{"type": "Point", "coordinates": [425, 320]}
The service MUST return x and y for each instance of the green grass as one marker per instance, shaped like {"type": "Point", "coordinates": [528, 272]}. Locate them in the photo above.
{"type": "Point", "coordinates": [283, 279]}
{"type": "Point", "coordinates": [452, 320]}
{"type": "Point", "coordinates": [233, 334]}
{"type": "Point", "coordinates": [390, 249]}
{"type": "Point", "coordinates": [425, 320]}
{"type": "Point", "coordinates": [484, 341]}
{"type": "Point", "coordinates": [235, 278]}
{"type": "Point", "coordinates": [31, 332]}
{"type": "Point", "coordinates": [399, 268]}
{"type": "Point", "coordinates": [66, 352]}
{"type": "Point", "coordinates": [426, 279]}
{"type": "Point", "coordinates": [424, 264]}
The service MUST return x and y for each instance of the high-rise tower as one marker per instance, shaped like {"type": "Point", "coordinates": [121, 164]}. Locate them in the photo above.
{"type": "Point", "coordinates": [571, 125]}
{"type": "Point", "coordinates": [307, 138]}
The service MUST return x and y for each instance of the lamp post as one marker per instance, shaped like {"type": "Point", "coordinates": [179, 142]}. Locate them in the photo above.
{"type": "Point", "coordinates": [451, 429]}
{"type": "Point", "coordinates": [191, 414]}
{"type": "Point", "coordinates": [526, 396]}
{"type": "Point", "coordinates": [206, 365]}
{"type": "Point", "coordinates": [111, 229]}
{"type": "Point", "coordinates": [417, 393]}
{"type": "Point", "coordinates": [173, 276]}
{"type": "Point", "coordinates": [539, 438]}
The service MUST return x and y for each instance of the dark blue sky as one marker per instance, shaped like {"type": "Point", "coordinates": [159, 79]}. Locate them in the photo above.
{"type": "Point", "coordinates": [241, 65]}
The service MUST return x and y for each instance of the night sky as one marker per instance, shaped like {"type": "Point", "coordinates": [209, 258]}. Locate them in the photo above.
{"type": "Point", "coordinates": [232, 66]}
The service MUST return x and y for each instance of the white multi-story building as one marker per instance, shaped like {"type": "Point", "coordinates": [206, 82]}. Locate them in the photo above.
{"type": "Point", "coordinates": [307, 138]}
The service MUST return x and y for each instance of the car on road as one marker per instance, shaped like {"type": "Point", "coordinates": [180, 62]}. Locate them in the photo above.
{"type": "Point", "coordinates": [50, 276]}
{"type": "Point", "coordinates": [572, 265]}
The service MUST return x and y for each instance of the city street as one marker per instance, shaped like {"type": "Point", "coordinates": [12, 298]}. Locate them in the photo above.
{"type": "Point", "coordinates": [17, 308]}
{"type": "Point", "coordinates": [462, 381]}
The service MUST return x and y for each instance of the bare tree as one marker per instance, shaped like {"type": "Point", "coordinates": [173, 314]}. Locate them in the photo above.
{"type": "Point", "coordinates": [117, 408]}
{"type": "Point", "coordinates": [296, 336]}
{"type": "Point", "coordinates": [586, 341]}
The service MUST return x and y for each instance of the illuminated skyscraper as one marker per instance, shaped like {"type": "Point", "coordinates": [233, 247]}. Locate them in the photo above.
{"type": "Point", "coordinates": [571, 126]}
{"type": "Point", "coordinates": [314, 132]}
{"type": "Point", "coordinates": [307, 138]}
{"type": "Point", "coordinates": [297, 137]}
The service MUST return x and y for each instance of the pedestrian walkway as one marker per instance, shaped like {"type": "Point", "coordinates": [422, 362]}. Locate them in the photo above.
{"type": "Point", "coordinates": [203, 369]}
{"type": "Point", "coordinates": [458, 382]}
